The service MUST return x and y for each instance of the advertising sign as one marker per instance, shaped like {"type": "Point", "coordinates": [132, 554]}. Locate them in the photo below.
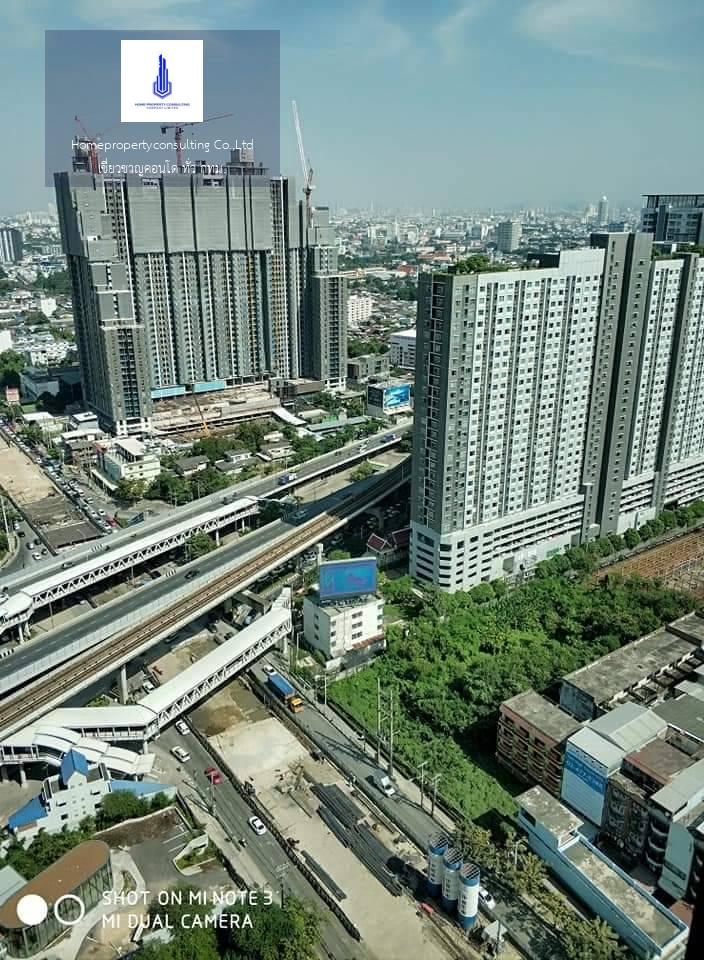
{"type": "Point", "coordinates": [347, 578]}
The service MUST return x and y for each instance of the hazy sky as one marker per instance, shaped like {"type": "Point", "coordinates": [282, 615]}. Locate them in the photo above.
{"type": "Point", "coordinates": [463, 104]}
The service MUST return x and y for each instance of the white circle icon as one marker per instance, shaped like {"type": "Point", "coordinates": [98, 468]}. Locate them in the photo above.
{"type": "Point", "coordinates": [32, 909]}
{"type": "Point", "coordinates": [67, 921]}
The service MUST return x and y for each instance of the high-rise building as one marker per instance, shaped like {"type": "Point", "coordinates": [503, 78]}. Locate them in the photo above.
{"type": "Point", "coordinates": [187, 282]}
{"type": "Point", "coordinates": [324, 354]}
{"type": "Point", "coordinates": [602, 213]}
{"type": "Point", "coordinates": [508, 235]}
{"type": "Point", "coordinates": [553, 405]}
{"type": "Point", "coordinates": [10, 245]}
{"type": "Point", "coordinates": [674, 217]}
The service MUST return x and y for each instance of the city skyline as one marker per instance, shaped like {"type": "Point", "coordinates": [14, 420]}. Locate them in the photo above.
{"type": "Point", "coordinates": [546, 104]}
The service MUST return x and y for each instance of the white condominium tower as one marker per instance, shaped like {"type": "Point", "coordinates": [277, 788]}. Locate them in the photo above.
{"type": "Point", "coordinates": [553, 405]}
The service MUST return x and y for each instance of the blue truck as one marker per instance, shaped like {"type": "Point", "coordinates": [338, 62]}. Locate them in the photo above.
{"type": "Point", "coordinates": [285, 692]}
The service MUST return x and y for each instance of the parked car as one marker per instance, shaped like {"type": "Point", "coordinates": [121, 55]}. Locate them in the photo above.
{"type": "Point", "coordinates": [148, 686]}
{"type": "Point", "coordinates": [181, 754]}
{"type": "Point", "coordinates": [268, 669]}
{"type": "Point", "coordinates": [182, 727]}
{"type": "Point", "coordinates": [256, 825]}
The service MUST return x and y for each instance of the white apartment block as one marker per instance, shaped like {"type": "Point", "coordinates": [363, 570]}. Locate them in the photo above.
{"type": "Point", "coordinates": [127, 459]}
{"type": "Point", "coordinates": [402, 349]}
{"type": "Point", "coordinates": [554, 405]}
{"type": "Point", "coordinates": [338, 629]}
{"type": "Point", "coordinates": [359, 309]}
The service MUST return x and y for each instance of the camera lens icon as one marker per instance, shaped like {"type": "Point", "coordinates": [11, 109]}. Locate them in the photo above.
{"type": "Point", "coordinates": [33, 910]}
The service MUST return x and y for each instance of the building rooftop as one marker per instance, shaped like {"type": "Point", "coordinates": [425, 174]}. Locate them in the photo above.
{"type": "Point", "coordinates": [652, 918]}
{"type": "Point", "coordinates": [62, 877]}
{"type": "Point", "coordinates": [659, 760]}
{"type": "Point", "coordinates": [547, 810]}
{"type": "Point", "coordinates": [684, 713]}
{"type": "Point", "coordinates": [10, 882]}
{"type": "Point", "coordinates": [624, 668]}
{"type": "Point", "coordinates": [691, 627]}
{"type": "Point", "coordinates": [629, 726]}
{"type": "Point", "coordinates": [683, 787]}
{"type": "Point", "coordinates": [544, 716]}
{"type": "Point", "coordinates": [598, 747]}
{"type": "Point", "coordinates": [30, 812]}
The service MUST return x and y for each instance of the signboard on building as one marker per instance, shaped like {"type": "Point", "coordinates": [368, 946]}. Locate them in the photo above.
{"type": "Point", "coordinates": [12, 395]}
{"type": "Point", "coordinates": [347, 578]}
{"type": "Point", "coordinates": [388, 400]}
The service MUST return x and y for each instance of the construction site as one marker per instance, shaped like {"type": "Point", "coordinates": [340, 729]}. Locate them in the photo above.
{"type": "Point", "coordinates": [679, 563]}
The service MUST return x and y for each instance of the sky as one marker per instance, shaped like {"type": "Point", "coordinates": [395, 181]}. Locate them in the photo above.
{"type": "Point", "coordinates": [474, 105]}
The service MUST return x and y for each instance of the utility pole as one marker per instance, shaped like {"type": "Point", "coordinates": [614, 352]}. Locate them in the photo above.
{"type": "Point", "coordinates": [434, 781]}
{"type": "Point", "coordinates": [281, 872]}
{"type": "Point", "coordinates": [391, 734]}
{"type": "Point", "coordinates": [378, 721]}
{"type": "Point", "coordinates": [421, 771]}
{"type": "Point", "coordinates": [384, 715]}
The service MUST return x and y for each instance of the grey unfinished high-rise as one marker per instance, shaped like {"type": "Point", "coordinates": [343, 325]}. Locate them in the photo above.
{"type": "Point", "coordinates": [674, 217]}
{"type": "Point", "coordinates": [184, 283]}
{"type": "Point", "coordinates": [553, 405]}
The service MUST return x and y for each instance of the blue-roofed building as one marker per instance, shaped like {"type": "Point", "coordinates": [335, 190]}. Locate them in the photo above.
{"type": "Point", "coordinates": [74, 794]}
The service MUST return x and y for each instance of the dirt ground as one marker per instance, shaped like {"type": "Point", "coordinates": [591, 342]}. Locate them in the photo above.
{"type": "Point", "coordinates": [21, 477]}
{"type": "Point", "coordinates": [133, 833]}
{"type": "Point", "coordinates": [231, 706]}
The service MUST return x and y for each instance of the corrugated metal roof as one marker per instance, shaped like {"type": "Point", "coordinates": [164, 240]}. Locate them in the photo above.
{"type": "Point", "coordinates": [629, 726]}
{"type": "Point", "coordinates": [685, 788]}
{"type": "Point", "coordinates": [597, 746]}
{"type": "Point", "coordinates": [73, 762]}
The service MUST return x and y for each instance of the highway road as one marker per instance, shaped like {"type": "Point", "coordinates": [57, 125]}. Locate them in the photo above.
{"type": "Point", "coordinates": [232, 812]}
{"type": "Point", "coordinates": [22, 562]}
{"type": "Point", "coordinates": [259, 487]}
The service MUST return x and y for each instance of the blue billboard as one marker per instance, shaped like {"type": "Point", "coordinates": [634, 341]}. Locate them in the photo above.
{"type": "Point", "coordinates": [396, 397]}
{"type": "Point", "coordinates": [347, 578]}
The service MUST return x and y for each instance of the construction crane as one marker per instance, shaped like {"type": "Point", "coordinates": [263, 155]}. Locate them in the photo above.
{"type": "Point", "coordinates": [90, 144]}
{"type": "Point", "coordinates": [206, 428]}
{"type": "Point", "coordinates": [308, 186]}
{"type": "Point", "coordinates": [179, 128]}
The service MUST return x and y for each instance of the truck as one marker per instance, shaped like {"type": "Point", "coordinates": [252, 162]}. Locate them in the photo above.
{"type": "Point", "coordinates": [284, 691]}
{"type": "Point", "coordinates": [287, 478]}
{"type": "Point", "coordinates": [383, 782]}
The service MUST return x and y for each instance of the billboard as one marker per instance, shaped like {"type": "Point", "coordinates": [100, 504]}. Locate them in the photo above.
{"type": "Point", "coordinates": [347, 578]}
{"type": "Point", "coordinates": [389, 400]}
{"type": "Point", "coordinates": [12, 395]}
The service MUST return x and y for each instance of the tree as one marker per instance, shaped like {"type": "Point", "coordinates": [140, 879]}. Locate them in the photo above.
{"type": "Point", "coordinates": [631, 538]}
{"type": "Point", "coordinates": [130, 491]}
{"type": "Point", "coordinates": [291, 932]}
{"type": "Point", "coordinates": [339, 555]}
{"type": "Point", "coordinates": [198, 544]}
{"type": "Point", "coordinates": [479, 263]}
{"type": "Point", "coordinates": [482, 593]}
{"type": "Point", "coordinates": [11, 363]}
{"type": "Point", "coordinates": [4, 544]}
{"type": "Point", "coordinates": [363, 471]}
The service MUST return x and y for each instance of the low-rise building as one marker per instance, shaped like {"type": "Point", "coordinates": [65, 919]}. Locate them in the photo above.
{"type": "Point", "coordinates": [34, 381]}
{"type": "Point", "coordinates": [531, 738]}
{"type": "Point", "coordinates": [75, 793]}
{"type": "Point", "coordinates": [360, 369]}
{"type": "Point", "coordinates": [189, 466]}
{"type": "Point", "coordinates": [675, 845]}
{"type": "Point", "coordinates": [277, 451]}
{"type": "Point", "coordinates": [354, 626]}
{"type": "Point", "coordinates": [641, 671]}
{"type": "Point", "coordinates": [649, 929]}
{"type": "Point", "coordinates": [402, 349]}
{"type": "Point", "coordinates": [81, 876]}
{"type": "Point", "coordinates": [126, 459]}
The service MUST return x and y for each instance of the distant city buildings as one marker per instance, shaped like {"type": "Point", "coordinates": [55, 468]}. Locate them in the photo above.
{"type": "Point", "coordinates": [674, 217]}
{"type": "Point", "coordinates": [553, 405]}
{"type": "Point", "coordinates": [359, 309]}
{"type": "Point", "coordinates": [10, 245]}
{"type": "Point", "coordinates": [602, 213]}
{"type": "Point", "coordinates": [508, 236]}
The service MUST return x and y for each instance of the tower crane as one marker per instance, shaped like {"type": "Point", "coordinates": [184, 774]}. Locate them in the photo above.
{"type": "Point", "coordinates": [178, 129]}
{"type": "Point", "coordinates": [90, 144]}
{"type": "Point", "coordinates": [308, 186]}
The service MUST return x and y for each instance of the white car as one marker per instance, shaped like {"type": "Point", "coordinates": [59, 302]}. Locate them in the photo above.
{"type": "Point", "coordinates": [486, 899]}
{"type": "Point", "coordinates": [268, 669]}
{"type": "Point", "coordinates": [36, 556]}
{"type": "Point", "coordinates": [182, 727]}
{"type": "Point", "coordinates": [181, 754]}
{"type": "Point", "coordinates": [256, 825]}
{"type": "Point", "coordinates": [148, 686]}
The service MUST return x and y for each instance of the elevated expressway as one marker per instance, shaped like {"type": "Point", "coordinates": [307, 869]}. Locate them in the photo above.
{"type": "Point", "coordinates": [144, 617]}
{"type": "Point", "coordinates": [79, 568]}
